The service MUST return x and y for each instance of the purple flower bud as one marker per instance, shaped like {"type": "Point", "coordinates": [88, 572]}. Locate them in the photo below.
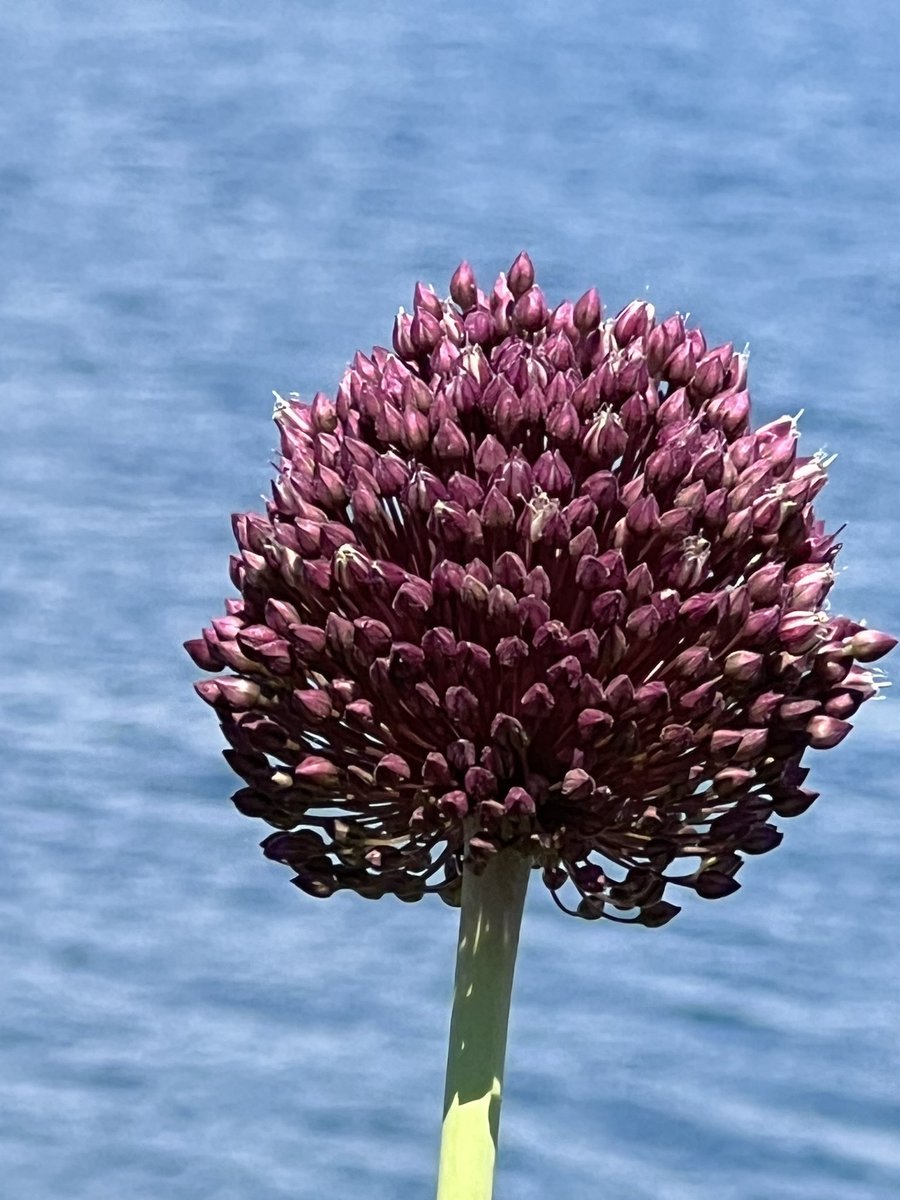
{"type": "Point", "coordinates": [667, 466]}
{"type": "Point", "coordinates": [480, 784]}
{"type": "Point", "coordinates": [605, 439]}
{"type": "Point", "coordinates": [650, 696]}
{"type": "Point", "coordinates": [662, 342]}
{"type": "Point", "coordinates": [205, 658]}
{"type": "Point", "coordinates": [508, 414]}
{"type": "Point", "coordinates": [676, 738]}
{"type": "Point", "coordinates": [562, 423]}
{"type": "Point", "coordinates": [425, 299]}
{"type": "Point", "coordinates": [587, 311]}
{"type": "Point", "coordinates": [562, 320]}
{"type": "Point", "coordinates": [643, 623]}
{"type": "Point", "coordinates": [766, 583]}
{"type": "Point", "coordinates": [729, 410]}
{"type": "Point", "coordinates": [743, 666]}
{"type": "Point", "coordinates": [462, 707]}
{"type": "Point", "coordinates": [796, 713]}
{"type": "Point", "coordinates": [545, 523]}
{"type": "Point", "coordinates": [869, 645]}
{"type": "Point", "coordinates": [608, 608]}
{"type": "Point", "coordinates": [508, 732]}
{"type": "Point", "coordinates": [680, 365]}
{"type": "Point", "coordinates": [551, 638]}
{"type": "Point", "coordinates": [751, 745]}
{"type": "Point", "coordinates": [761, 839]}
{"type": "Point", "coordinates": [315, 771]}
{"type": "Point", "coordinates": [237, 693]}
{"type": "Point", "coordinates": [738, 527]}
{"type": "Point", "coordinates": [565, 674]}
{"type": "Point", "coordinates": [602, 488]}
{"type": "Point", "coordinates": [673, 414]}
{"type": "Point", "coordinates": [515, 478]}
{"type": "Point", "coordinates": [308, 641]}
{"type": "Point", "coordinates": [634, 321]}
{"type": "Point", "coordinates": [761, 626]}
{"type": "Point", "coordinates": [435, 771]}
{"type": "Point", "coordinates": [323, 414]}
{"type": "Point", "coordinates": [518, 803]}
{"type": "Point", "coordinates": [800, 631]}
{"type": "Point", "coordinates": [391, 769]}
{"type": "Point", "coordinates": [693, 663]}
{"type": "Point", "coordinates": [424, 331]}
{"type": "Point", "coordinates": [699, 700]}
{"type": "Point", "coordinates": [510, 651]}
{"type": "Point", "coordinates": [391, 474]}
{"type": "Point", "coordinates": [708, 377]}
{"type": "Point", "coordinates": [479, 327]}
{"type": "Point", "coordinates": [473, 593]}
{"type": "Point", "coordinates": [731, 780]}
{"type": "Point", "coordinates": [497, 512]}
{"type": "Point", "coordinates": [489, 456]}
{"type": "Point", "coordinates": [619, 694]}
{"type": "Point", "coordinates": [530, 310]}
{"type": "Point", "coordinates": [642, 517]}
{"type": "Point", "coordinates": [463, 287]}
{"type": "Point", "coordinates": [825, 732]}
{"type": "Point", "coordinates": [402, 337]}
{"type": "Point", "coordinates": [593, 723]}
{"type": "Point", "coordinates": [713, 885]}
{"type": "Point", "coordinates": [414, 430]}
{"type": "Point", "coordinates": [453, 805]}
{"type": "Point", "coordinates": [552, 474]}
{"type": "Point", "coordinates": [639, 584]}
{"type": "Point", "coordinates": [577, 785]}
{"type": "Point", "coordinates": [843, 704]}
{"type": "Point", "coordinates": [521, 275]}
{"type": "Point", "coordinates": [414, 598]}
{"type": "Point", "coordinates": [537, 701]}
{"type": "Point", "coordinates": [463, 490]}
{"type": "Point", "coordinates": [450, 441]}
{"type": "Point", "coordinates": [449, 522]}
{"type": "Point", "coordinates": [585, 645]}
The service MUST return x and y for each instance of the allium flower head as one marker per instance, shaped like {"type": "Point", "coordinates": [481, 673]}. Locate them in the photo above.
{"type": "Point", "coordinates": [530, 580]}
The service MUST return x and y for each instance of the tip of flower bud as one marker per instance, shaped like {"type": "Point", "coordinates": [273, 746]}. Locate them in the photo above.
{"type": "Point", "coordinates": [463, 288]}
{"type": "Point", "coordinates": [521, 275]}
{"type": "Point", "coordinates": [424, 331]}
{"type": "Point", "coordinates": [826, 732]}
{"type": "Point", "coordinates": [530, 311]}
{"type": "Point", "coordinates": [425, 299]}
{"type": "Point", "coordinates": [870, 644]}
{"type": "Point", "coordinates": [587, 311]}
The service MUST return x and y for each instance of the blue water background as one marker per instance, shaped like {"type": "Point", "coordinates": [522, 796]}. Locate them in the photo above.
{"type": "Point", "coordinates": [202, 202]}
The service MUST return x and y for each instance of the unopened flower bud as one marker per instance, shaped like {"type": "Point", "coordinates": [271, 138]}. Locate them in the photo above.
{"type": "Point", "coordinates": [521, 275]}
{"type": "Point", "coordinates": [463, 287]}
{"type": "Point", "coordinates": [530, 311]}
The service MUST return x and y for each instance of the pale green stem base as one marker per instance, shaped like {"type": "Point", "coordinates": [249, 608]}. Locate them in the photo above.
{"type": "Point", "coordinates": [489, 921]}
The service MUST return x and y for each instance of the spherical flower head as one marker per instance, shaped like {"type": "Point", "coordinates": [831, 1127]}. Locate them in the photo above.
{"type": "Point", "coordinates": [531, 580]}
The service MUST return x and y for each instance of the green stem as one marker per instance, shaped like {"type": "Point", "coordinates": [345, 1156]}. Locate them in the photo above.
{"type": "Point", "coordinates": [489, 920]}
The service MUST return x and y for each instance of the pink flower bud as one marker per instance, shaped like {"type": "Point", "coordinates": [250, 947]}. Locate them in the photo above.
{"type": "Point", "coordinates": [463, 288]}
{"type": "Point", "coordinates": [521, 275]}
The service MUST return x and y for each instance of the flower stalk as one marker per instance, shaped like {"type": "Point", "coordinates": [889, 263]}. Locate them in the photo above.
{"type": "Point", "coordinates": [490, 918]}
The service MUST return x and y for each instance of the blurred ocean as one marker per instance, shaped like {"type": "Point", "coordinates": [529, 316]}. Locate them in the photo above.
{"type": "Point", "coordinates": [200, 202]}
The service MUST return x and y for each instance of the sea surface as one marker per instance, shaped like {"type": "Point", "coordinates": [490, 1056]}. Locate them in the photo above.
{"type": "Point", "coordinates": [202, 202]}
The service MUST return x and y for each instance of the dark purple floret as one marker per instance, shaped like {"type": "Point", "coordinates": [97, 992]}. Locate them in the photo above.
{"type": "Point", "coordinates": [530, 580]}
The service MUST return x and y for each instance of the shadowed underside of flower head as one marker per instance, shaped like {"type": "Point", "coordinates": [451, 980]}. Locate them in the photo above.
{"type": "Point", "coordinates": [530, 580]}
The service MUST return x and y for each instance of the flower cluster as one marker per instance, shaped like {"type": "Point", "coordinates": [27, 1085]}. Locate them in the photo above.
{"type": "Point", "coordinates": [530, 580]}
